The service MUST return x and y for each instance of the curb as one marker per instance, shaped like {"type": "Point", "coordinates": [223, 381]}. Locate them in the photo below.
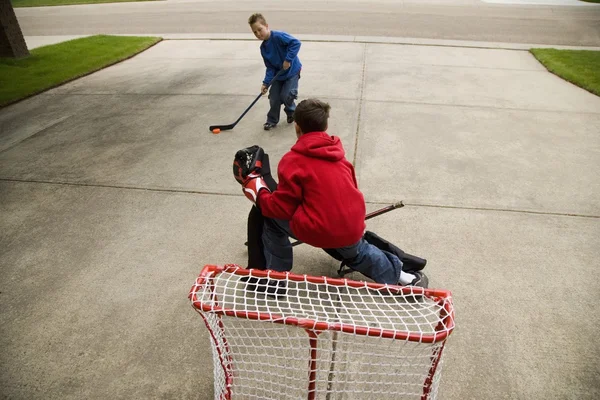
{"type": "Point", "coordinates": [352, 39]}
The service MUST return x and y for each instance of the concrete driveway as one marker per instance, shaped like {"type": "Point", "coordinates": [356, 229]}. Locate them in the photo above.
{"type": "Point", "coordinates": [114, 194]}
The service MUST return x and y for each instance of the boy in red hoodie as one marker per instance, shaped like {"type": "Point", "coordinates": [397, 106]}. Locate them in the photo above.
{"type": "Point", "coordinates": [318, 202]}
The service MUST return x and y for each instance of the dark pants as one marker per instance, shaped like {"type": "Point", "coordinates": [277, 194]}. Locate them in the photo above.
{"type": "Point", "coordinates": [379, 265]}
{"type": "Point", "coordinates": [282, 92]}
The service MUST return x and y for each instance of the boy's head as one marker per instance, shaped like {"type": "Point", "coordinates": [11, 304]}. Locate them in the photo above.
{"type": "Point", "coordinates": [259, 26]}
{"type": "Point", "coordinates": [311, 115]}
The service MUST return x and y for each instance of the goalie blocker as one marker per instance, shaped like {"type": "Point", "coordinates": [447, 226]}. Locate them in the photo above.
{"type": "Point", "coordinates": [246, 161]}
{"type": "Point", "coordinates": [253, 160]}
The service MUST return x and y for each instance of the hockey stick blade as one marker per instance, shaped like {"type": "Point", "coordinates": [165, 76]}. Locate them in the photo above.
{"type": "Point", "coordinates": [221, 127]}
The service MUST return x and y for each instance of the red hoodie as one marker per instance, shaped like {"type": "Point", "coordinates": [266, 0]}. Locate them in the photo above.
{"type": "Point", "coordinates": [317, 193]}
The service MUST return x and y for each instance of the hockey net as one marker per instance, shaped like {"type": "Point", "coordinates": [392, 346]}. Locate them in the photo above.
{"type": "Point", "coordinates": [287, 336]}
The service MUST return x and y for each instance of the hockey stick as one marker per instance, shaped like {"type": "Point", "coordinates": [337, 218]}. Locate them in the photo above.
{"type": "Point", "coordinates": [373, 214]}
{"type": "Point", "coordinates": [383, 210]}
{"type": "Point", "coordinates": [370, 215]}
{"type": "Point", "coordinates": [231, 126]}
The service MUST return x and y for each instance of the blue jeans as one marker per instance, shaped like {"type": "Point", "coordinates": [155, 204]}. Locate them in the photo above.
{"type": "Point", "coordinates": [379, 265]}
{"type": "Point", "coordinates": [282, 92]}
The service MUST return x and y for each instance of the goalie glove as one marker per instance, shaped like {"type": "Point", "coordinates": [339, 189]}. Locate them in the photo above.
{"type": "Point", "coordinates": [252, 185]}
{"type": "Point", "coordinates": [246, 162]}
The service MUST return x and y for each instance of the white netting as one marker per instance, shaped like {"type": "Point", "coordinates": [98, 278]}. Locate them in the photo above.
{"type": "Point", "coordinates": [359, 340]}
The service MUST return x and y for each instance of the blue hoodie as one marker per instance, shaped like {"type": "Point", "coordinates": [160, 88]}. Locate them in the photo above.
{"type": "Point", "coordinates": [278, 48]}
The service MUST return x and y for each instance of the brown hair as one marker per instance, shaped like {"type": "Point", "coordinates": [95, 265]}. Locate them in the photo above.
{"type": "Point", "coordinates": [311, 115]}
{"type": "Point", "coordinates": [257, 17]}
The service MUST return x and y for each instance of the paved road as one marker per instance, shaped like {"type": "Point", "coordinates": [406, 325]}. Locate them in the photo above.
{"type": "Point", "coordinates": [439, 19]}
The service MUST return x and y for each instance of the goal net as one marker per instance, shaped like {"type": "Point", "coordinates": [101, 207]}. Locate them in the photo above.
{"type": "Point", "coordinates": [281, 335]}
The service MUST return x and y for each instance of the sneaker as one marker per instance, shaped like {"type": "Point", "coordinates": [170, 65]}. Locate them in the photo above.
{"type": "Point", "coordinates": [268, 126]}
{"type": "Point", "coordinates": [420, 280]}
{"type": "Point", "coordinates": [290, 119]}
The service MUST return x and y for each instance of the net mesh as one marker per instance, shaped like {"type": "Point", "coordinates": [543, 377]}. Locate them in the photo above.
{"type": "Point", "coordinates": [287, 336]}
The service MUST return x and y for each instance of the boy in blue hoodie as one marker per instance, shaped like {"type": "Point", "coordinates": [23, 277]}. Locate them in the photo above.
{"type": "Point", "coordinates": [279, 51]}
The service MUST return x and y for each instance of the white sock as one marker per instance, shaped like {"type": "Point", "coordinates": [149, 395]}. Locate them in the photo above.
{"type": "Point", "coordinates": [406, 278]}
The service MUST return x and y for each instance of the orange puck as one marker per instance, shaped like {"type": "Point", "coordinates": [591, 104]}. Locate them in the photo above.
{"type": "Point", "coordinates": [216, 131]}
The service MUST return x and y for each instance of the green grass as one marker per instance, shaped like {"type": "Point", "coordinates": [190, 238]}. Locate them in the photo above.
{"type": "Point", "coordinates": [591, 1]}
{"type": "Point", "coordinates": [50, 66]}
{"type": "Point", "coordinates": [39, 3]}
{"type": "Point", "coordinates": [581, 67]}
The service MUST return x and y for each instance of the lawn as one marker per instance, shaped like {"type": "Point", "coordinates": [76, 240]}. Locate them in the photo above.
{"type": "Point", "coordinates": [39, 3]}
{"type": "Point", "coordinates": [581, 67]}
{"type": "Point", "coordinates": [50, 66]}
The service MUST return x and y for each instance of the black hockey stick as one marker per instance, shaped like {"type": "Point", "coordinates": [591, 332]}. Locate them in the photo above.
{"type": "Point", "coordinates": [373, 214]}
{"type": "Point", "coordinates": [231, 126]}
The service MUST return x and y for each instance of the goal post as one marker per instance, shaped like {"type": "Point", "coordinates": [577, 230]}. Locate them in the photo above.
{"type": "Point", "coordinates": [279, 335]}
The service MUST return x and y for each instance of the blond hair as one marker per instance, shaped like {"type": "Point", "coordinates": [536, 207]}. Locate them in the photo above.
{"type": "Point", "coordinates": [257, 17]}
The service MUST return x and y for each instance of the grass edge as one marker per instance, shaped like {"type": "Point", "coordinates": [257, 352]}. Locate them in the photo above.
{"type": "Point", "coordinates": [553, 72]}
{"type": "Point", "coordinates": [80, 4]}
{"type": "Point", "coordinates": [11, 102]}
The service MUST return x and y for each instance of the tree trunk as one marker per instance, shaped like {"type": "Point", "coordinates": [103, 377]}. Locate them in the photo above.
{"type": "Point", "coordinates": [12, 43]}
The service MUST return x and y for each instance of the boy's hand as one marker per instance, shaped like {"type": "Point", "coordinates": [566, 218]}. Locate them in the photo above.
{"type": "Point", "coordinates": [263, 89]}
{"type": "Point", "coordinates": [286, 64]}
{"type": "Point", "coordinates": [252, 185]}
